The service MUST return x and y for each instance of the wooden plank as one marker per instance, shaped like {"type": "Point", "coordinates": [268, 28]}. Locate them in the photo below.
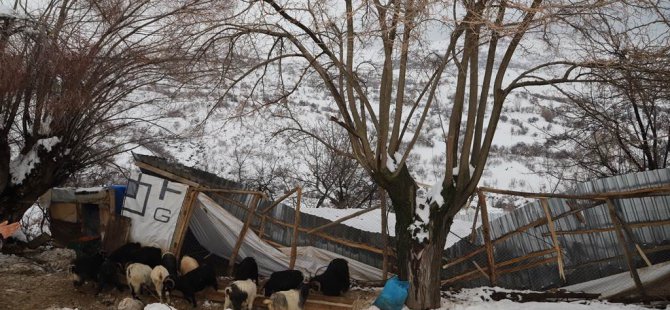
{"type": "Point", "coordinates": [340, 220]}
{"type": "Point", "coordinates": [231, 191]}
{"type": "Point", "coordinates": [165, 174]}
{"type": "Point", "coordinates": [622, 242]}
{"type": "Point", "coordinates": [243, 232]}
{"type": "Point", "coordinates": [652, 191]}
{"type": "Point", "coordinates": [473, 234]}
{"type": "Point", "coordinates": [631, 237]}
{"type": "Point", "coordinates": [261, 229]}
{"type": "Point", "coordinates": [525, 257]}
{"type": "Point", "coordinates": [528, 266]}
{"type": "Point", "coordinates": [487, 238]}
{"type": "Point", "coordinates": [294, 239]}
{"type": "Point", "coordinates": [116, 233]}
{"type": "Point", "coordinates": [463, 258]}
{"type": "Point", "coordinates": [572, 204]}
{"type": "Point", "coordinates": [554, 239]}
{"type": "Point", "coordinates": [644, 256]}
{"type": "Point", "coordinates": [464, 276]}
{"type": "Point", "coordinates": [470, 273]}
{"type": "Point", "coordinates": [481, 270]}
{"type": "Point", "coordinates": [312, 302]}
{"type": "Point", "coordinates": [328, 237]}
{"type": "Point", "coordinates": [276, 202]}
{"type": "Point", "coordinates": [606, 229]}
{"type": "Point", "coordinates": [182, 221]}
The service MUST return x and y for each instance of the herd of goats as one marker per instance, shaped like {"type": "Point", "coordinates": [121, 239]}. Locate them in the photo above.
{"type": "Point", "coordinates": [147, 267]}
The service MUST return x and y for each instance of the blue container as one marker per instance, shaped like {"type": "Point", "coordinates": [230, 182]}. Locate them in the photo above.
{"type": "Point", "coordinates": [119, 194]}
{"type": "Point", "coordinates": [393, 295]}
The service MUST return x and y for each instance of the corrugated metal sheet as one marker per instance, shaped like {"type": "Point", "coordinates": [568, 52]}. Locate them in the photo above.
{"type": "Point", "coordinates": [587, 256]}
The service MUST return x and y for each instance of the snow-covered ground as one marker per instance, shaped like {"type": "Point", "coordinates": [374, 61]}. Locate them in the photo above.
{"type": "Point", "coordinates": [479, 299]}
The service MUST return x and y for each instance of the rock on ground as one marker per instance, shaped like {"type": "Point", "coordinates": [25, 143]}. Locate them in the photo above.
{"type": "Point", "coordinates": [130, 304]}
{"type": "Point", "coordinates": [56, 258]}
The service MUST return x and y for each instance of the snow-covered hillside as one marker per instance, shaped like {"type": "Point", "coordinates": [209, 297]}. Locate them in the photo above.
{"type": "Point", "coordinates": [232, 146]}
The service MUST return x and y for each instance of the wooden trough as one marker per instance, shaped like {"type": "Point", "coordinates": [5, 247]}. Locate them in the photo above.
{"type": "Point", "coordinates": [315, 300]}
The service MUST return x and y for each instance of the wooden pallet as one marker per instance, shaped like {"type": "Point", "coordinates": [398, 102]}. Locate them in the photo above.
{"type": "Point", "coordinates": [314, 301]}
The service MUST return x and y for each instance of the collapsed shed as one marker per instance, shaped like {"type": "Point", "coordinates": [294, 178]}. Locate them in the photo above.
{"type": "Point", "coordinates": [189, 211]}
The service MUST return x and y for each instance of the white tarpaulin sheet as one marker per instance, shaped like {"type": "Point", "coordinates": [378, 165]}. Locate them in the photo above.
{"type": "Point", "coordinates": [217, 230]}
{"type": "Point", "coordinates": [153, 205]}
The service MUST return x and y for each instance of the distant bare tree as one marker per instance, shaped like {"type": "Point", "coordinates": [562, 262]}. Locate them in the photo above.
{"type": "Point", "coordinates": [260, 169]}
{"type": "Point", "coordinates": [333, 177]}
{"type": "Point", "coordinates": [67, 72]}
{"type": "Point", "coordinates": [621, 122]}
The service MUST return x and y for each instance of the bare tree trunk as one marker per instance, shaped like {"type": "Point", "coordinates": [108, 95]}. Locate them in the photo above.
{"type": "Point", "coordinates": [420, 263]}
{"type": "Point", "coordinates": [402, 191]}
{"type": "Point", "coordinates": [425, 268]}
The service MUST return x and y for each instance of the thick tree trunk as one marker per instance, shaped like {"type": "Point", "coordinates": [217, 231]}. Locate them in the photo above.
{"type": "Point", "coordinates": [5, 157]}
{"type": "Point", "coordinates": [419, 263]}
{"type": "Point", "coordinates": [16, 199]}
{"type": "Point", "coordinates": [402, 191]}
{"type": "Point", "coordinates": [425, 269]}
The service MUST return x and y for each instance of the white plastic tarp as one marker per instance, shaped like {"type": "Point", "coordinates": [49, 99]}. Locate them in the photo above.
{"type": "Point", "coordinates": [153, 205]}
{"type": "Point", "coordinates": [217, 230]}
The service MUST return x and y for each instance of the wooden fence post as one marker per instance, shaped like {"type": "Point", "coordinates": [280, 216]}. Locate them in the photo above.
{"type": "Point", "coordinates": [487, 238]}
{"type": "Point", "coordinates": [631, 238]}
{"type": "Point", "coordinates": [622, 242]}
{"type": "Point", "coordinates": [182, 221]}
{"type": "Point", "coordinates": [554, 238]}
{"type": "Point", "coordinates": [261, 230]}
{"type": "Point", "coordinates": [296, 224]}
{"type": "Point", "coordinates": [243, 232]}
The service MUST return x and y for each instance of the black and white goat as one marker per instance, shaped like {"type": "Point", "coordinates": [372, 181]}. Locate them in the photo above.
{"type": "Point", "coordinates": [240, 295]}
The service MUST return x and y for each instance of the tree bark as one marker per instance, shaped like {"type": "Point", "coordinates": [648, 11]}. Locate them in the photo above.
{"type": "Point", "coordinates": [418, 262]}
{"type": "Point", "coordinates": [425, 268]}
{"type": "Point", "coordinates": [16, 199]}
{"type": "Point", "coordinates": [402, 191]}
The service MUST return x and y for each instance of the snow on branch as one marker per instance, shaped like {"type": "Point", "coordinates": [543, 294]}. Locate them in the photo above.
{"type": "Point", "coordinates": [21, 166]}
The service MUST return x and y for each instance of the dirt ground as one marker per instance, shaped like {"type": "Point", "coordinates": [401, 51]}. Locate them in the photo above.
{"type": "Point", "coordinates": [39, 279]}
